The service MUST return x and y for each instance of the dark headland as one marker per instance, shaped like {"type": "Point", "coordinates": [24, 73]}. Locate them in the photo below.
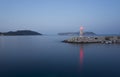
{"type": "Point", "coordinates": [19, 32]}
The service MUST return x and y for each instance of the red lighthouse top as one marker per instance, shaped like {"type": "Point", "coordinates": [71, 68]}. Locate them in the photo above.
{"type": "Point", "coordinates": [81, 28]}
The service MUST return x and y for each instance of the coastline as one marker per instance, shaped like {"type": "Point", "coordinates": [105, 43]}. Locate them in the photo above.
{"type": "Point", "coordinates": [93, 39]}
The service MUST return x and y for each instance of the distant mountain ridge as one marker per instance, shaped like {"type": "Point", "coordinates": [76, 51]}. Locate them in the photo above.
{"type": "Point", "coordinates": [20, 32]}
{"type": "Point", "coordinates": [76, 33]}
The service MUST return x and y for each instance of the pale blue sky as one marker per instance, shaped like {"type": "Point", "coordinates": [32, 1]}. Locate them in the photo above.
{"type": "Point", "coordinates": [54, 16]}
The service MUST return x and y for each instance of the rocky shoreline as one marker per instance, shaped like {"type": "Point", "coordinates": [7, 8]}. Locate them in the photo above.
{"type": "Point", "coordinates": [93, 39]}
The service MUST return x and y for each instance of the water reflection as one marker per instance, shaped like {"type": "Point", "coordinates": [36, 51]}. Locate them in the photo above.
{"type": "Point", "coordinates": [1, 42]}
{"type": "Point", "coordinates": [81, 56]}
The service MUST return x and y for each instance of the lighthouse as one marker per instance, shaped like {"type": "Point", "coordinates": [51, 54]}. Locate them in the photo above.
{"type": "Point", "coordinates": [81, 31]}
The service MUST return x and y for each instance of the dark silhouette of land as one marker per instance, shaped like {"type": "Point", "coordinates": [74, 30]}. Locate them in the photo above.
{"type": "Point", "coordinates": [76, 33]}
{"type": "Point", "coordinates": [20, 32]}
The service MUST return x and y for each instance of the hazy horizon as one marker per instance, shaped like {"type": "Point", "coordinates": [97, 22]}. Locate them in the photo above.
{"type": "Point", "coordinates": [54, 16]}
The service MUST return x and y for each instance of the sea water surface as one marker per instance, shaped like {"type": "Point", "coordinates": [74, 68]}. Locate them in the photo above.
{"type": "Point", "coordinates": [47, 56]}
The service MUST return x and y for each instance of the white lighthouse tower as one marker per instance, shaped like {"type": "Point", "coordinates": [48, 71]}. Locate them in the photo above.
{"type": "Point", "coordinates": [81, 31]}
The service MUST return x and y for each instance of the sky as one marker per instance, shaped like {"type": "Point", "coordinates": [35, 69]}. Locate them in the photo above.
{"type": "Point", "coordinates": [54, 16]}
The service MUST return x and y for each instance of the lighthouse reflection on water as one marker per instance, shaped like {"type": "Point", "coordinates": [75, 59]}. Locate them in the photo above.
{"type": "Point", "coordinates": [81, 56]}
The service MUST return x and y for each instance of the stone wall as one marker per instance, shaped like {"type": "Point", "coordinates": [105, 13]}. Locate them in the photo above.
{"type": "Point", "coordinates": [94, 39]}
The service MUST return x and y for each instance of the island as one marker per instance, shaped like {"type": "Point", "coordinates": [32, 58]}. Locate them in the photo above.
{"type": "Point", "coordinates": [19, 32]}
{"type": "Point", "coordinates": [77, 33]}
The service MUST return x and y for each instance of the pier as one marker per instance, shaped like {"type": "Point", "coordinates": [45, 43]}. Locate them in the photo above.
{"type": "Point", "coordinates": [94, 39]}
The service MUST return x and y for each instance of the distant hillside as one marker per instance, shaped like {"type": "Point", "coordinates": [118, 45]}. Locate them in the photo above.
{"type": "Point", "coordinates": [21, 32]}
{"type": "Point", "coordinates": [89, 33]}
{"type": "Point", "coordinates": [77, 33]}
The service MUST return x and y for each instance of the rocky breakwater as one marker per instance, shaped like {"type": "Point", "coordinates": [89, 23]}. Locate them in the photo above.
{"type": "Point", "coordinates": [94, 39]}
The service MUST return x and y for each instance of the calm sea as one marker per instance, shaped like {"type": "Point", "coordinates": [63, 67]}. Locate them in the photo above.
{"type": "Point", "coordinates": [47, 56]}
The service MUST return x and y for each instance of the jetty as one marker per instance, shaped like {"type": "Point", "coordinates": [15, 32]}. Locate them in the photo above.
{"type": "Point", "coordinates": [94, 39]}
